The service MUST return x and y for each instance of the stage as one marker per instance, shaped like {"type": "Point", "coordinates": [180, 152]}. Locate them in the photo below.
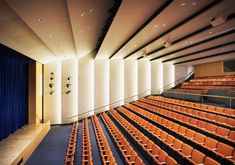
{"type": "Point", "coordinates": [17, 148]}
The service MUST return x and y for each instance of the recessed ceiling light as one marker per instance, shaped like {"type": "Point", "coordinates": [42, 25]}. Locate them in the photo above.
{"type": "Point", "coordinates": [164, 25]}
{"type": "Point", "coordinates": [92, 10]}
{"type": "Point", "coordinates": [183, 4]}
{"type": "Point", "coordinates": [210, 32]}
{"type": "Point", "coordinates": [135, 45]}
{"type": "Point", "coordinates": [156, 25]}
{"type": "Point", "coordinates": [194, 3]}
{"type": "Point", "coordinates": [83, 14]}
{"type": "Point", "coordinates": [191, 42]}
{"type": "Point", "coordinates": [41, 19]}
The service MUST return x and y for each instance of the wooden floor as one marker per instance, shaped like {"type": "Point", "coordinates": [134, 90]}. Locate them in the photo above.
{"type": "Point", "coordinates": [20, 145]}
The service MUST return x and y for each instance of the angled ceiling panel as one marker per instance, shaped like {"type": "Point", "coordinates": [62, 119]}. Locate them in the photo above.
{"type": "Point", "coordinates": [15, 34]}
{"type": "Point", "coordinates": [210, 44]}
{"type": "Point", "coordinates": [130, 16]}
{"type": "Point", "coordinates": [220, 50]}
{"type": "Point", "coordinates": [87, 20]}
{"type": "Point", "coordinates": [50, 21]}
{"type": "Point", "coordinates": [167, 19]}
{"type": "Point", "coordinates": [194, 40]}
{"type": "Point", "coordinates": [210, 59]}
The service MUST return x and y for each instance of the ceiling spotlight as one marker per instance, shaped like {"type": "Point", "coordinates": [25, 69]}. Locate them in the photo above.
{"type": "Point", "coordinates": [83, 14]}
{"type": "Point", "coordinates": [92, 10]}
{"type": "Point", "coordinates": [144, 53]}
{"type": "Point", "coordinates": [135, 45]}
{"type": "Point", "coordinates": [167, 44]}
{"type": "Point", "coordinates": [218, 20]}
{"type": "Point", "coordinates": [194, 3]}
{"type": "Point", "coordinates": [41, 19]}
{"type": "Point", "coordinates": [210, 32]}
{"type": "Point", "coordinates": [182, 4]}
{"type": "Point", "coordinates": [164, 25]}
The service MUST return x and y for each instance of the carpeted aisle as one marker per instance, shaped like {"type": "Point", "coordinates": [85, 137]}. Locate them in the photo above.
{"type": "Point", "coordinates": [94, 147]}
{"type": "Point", "coordinates": [53, 147]}
{"type": "Point", "coordinates": [111, 144]}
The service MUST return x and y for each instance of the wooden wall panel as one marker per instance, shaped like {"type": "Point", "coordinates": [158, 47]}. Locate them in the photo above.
{"type": "Point", "coordinates": [210, 69]}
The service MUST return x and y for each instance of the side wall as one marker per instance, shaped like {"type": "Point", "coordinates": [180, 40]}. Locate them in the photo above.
{"type": "Point", "coordinates": [210, 69]}
{"type": "Point", "coordinates": [96, 83]}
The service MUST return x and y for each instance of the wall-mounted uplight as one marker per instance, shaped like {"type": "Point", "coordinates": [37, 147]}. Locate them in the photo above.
{"type": "Point", "coordinates": [68, 85]}
{"type": "Point", "coordinates": [51, 84]}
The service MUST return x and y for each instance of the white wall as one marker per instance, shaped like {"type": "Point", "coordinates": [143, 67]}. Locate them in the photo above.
{"type": "Point", "coordinates": [96, 83]}
{"type": "Point", "coordinates": [116, 81]}
{"type": "Point", "coordinates": [69, 101]}
{"type": "Point", "coordinates": [101, 95]}
{"type": "Point", "coordinates": [52, 106]}
{"type": "Point", "coordinates": [85, 84]}
{"type": "Point", "coordinates": [144, 76]}
{"type": "Point", "coordinates": [130, 79]}
{"type": "Point", "coordinates": [168, 74]}
{"type": "Point", "coordinates": [180, 71]}
{"type": "Point", "coordinates": [156, 76]}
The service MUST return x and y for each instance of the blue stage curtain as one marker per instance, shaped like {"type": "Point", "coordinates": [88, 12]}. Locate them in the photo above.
{"type": "Point", "coordinates": [13, 91]}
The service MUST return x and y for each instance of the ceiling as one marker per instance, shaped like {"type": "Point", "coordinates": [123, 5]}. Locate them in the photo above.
{"type": "Point", "coordinates": [49, 30]}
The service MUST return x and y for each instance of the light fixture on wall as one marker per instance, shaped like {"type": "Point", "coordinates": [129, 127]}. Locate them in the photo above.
{"type": "Point", "coordinates": [68, 85]}
{"type": "Point", "coordinates": [51, 84]}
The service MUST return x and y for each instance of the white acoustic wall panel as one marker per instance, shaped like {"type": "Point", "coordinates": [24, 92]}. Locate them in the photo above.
{"type": "Point", "coordinates": [86, 84]}
{"type": "Point", "coordinates": [130, 79]}
{"type": "Point", "coordinates": [180, 72]}
{"type": "Point", "coordinates": [168, 75]}
{"type": "Point", "coordinates": [156, 77]}
{"type": "Point", "coordinates": [144, 76]}
{"type": "Point", "coordinates": [116, 81]}
{"type": "Point", "coordinates": [52, 102]}
{"type": "Point", "coordinates": [101, 84]}
{"type": "Point", "coordinates": [69, 100]}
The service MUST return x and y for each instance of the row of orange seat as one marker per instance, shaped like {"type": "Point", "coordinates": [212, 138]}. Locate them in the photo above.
{"type": "Point", "coordinates": [207, 108]}
{"type": "Point", "coordinates": [210, 83]}
{"type": "Point", "coordinates": [206, 143]}
{"type": "Point", "coordinates": [155, 154]}
{"type": "Point", "coordinates": [215, 78]}
{"type": "Point", "coordinates": [128, 154]}
{"type": "Point", "coordinates": [184, 151]}
{"type": "Point", "coordinates": [220, 133]}
{"type": "Point", "coordinates": [86, 144]}
{"type": "Point", "coordinates": [226, 122]}
{"type": "Point", "coordinates": [69, 158]}
{"type": "Point", "coordinates": [198, 91]}
{"type": "Point", "coordinates": [211, 87]}
{"type": "Point", "coordinates": [105, 151]}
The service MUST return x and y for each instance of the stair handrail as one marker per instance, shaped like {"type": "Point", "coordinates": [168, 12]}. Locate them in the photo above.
{"type": "Point", "coordinates": [125, 100]}
{"type": "Point", "coordinates": [177, 82]}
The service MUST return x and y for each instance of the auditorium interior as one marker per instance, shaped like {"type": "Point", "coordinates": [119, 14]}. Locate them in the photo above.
{"type": "Point", "coordinates": [114, 82]}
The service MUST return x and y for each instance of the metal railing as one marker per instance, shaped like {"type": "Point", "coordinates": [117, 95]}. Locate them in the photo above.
{"type": "Point", "coordinates": [159, 91]}
{"type": "Point", "coordinates": [205, 95]}
{"type": "Point", "coordinates": [107, 107]}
